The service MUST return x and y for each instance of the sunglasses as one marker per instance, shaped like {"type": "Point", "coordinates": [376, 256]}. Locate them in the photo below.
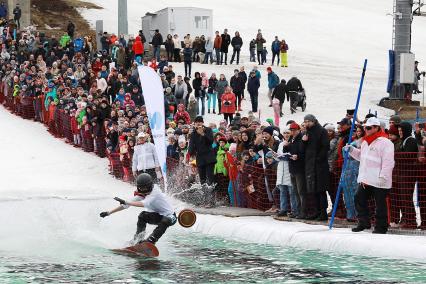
{"type": "Point", "coordinates": [368, 127]}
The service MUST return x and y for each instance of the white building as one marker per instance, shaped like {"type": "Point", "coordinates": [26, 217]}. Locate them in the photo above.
{"type": "Point", "coordinates": [180, 21]}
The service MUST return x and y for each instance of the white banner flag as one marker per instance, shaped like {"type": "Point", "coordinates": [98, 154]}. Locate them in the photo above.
{"type": "Point", "coordinates": [154, 101]}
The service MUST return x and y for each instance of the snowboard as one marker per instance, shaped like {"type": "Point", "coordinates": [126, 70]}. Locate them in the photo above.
{"type": "Point", "coordinates": [145, 249]}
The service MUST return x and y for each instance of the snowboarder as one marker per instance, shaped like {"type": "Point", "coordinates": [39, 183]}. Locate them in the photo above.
{"type": "Point", "coordinates": [160, 213]}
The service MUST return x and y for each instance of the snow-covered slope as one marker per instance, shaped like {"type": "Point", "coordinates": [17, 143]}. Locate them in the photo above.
{"type": "Point", "coordinates": [34, 164]}
{"type": "Point", "coordinates": [328, 40]}
{"type": "Point", "coordinates": [327, 32]}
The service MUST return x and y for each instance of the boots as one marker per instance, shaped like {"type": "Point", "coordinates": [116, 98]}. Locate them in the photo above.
{"type": "Point", "coordinates": [361, 227]}
{"type": "Point", "coordinates": [322, 217]}
{"type": "Point", "coordinates": [138, 238]}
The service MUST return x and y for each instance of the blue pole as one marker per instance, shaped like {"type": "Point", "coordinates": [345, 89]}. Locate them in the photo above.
{"type": "Point", "coordinates": [345, 154]}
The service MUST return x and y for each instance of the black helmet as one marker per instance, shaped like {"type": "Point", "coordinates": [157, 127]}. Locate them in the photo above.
{"type": "Point", "coordinates": [144, 183]}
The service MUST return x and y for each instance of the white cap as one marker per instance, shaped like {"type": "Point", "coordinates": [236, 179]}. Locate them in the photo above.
{"type": "Point", "coordinates": [372, 121]}
{"type": "Point", "coordinates": [142, 135]}
{"type": "Point", "coordinates": [330, 126]}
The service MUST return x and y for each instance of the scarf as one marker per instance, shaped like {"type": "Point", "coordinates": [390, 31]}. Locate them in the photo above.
{"type": "Point", "coordinates": [370, 139]}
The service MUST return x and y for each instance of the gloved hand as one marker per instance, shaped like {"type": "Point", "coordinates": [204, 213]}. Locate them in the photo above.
{"type": "Point", "coordinates": [122, 201]}
{"type": "Point", "coordinates": [104, 214]}
{"type": "Point", "coordinates": [347, 148]}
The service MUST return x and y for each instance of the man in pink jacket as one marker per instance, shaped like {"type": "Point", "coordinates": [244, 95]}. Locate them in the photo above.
{"type": "Point", "coordinates": [376, 158]}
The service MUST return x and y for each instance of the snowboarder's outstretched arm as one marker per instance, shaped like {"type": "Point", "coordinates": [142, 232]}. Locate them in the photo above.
{"type": "Point", "coordinates": [123, 205]}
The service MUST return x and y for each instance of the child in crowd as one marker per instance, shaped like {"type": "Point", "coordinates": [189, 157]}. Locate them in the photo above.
{"type": "Point", "coordinates": [192, 107]}
{"type": "Point", "coordinates": [264, 54]}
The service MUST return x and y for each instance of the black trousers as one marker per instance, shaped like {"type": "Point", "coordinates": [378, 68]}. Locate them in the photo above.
{"type": "Point", "coordinates": [362, 195]}
{"type": "Point", "coordinates": [320, 203]}
{"type": "Point", "coordinates": [154, 218]}
{"type": "Point", "coordinates": [298, 182]}
{"type": "Point", "coordinates": [233, 56]}
{"type": "Point", "coordinates": [259, 57]}
{"type": "Point", "coordinates": [188, 65]}
{"type": "Point", "coordinates": [176, 52]}
{"type": "Point", "coordinates": [222, 56]}
{"type": "Point", "coordinates": [206, 173]}
{"type": "Point", "coordinates": [228, 117]}
{"type": "Point", "coordinates": [238, 96]}
{"type": "Point", "coordinates": [277, 54]}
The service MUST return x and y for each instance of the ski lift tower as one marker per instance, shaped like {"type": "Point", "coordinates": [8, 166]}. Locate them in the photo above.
{"type": "Point", "coordinates": [401, 75]}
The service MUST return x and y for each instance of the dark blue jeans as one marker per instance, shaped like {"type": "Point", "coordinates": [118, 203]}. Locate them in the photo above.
{"type": "Point", "coordinates": [254, 101]}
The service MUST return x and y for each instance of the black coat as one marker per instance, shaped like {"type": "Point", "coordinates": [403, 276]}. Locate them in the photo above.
{"type": "Point", "coordinates": [243, 75]}
{"type": "Point", "coordinates": [201, 146]}
{"type": "Point", "coordinates": [196, 84]}
{"type": "Point", "coordinates": [169, 45]}
{"type": "Point", "coordinates": [297, 147]}
{"type": "Point", "coordinates": [237, 84]}
{"type": "Point", "coordinates": [280, 92]}
{"type": "Point", "coordinates": [138, 98]}
{"type": "Point", "coordinates": [157, 40]}
{"type": "Point", "coordinates": [237, 42]}
{"type": "Point", "coordinates": [212, 85]}
{"type": "Point", "coordinates": [253, 85]}
{"type": "Point", "coordinates": [316, 159]}
{"type": "Point", "coordinates": [226, 41]}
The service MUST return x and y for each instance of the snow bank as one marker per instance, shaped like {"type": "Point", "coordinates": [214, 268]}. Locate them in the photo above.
{"type": "Point", "coordinates": [266, 230]}
{"type": "Point", "coordinates": [34, 164]}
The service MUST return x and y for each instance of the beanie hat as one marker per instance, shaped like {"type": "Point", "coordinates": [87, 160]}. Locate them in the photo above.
{"type": "Point", "coordinates": [330, 126]}
{"type": "Point", "coordinates": [395, 118]}
{"type": "Point", "coordinates": [294, 125]}
{"type": "Point", "coordinates": [269, 155]}
{"type": "Point", "coordinates": [393, 130]}
{"type": "Point", "coordinates": [270, 121]}
{"type": "Point", "coordinates": [181, 139]}
{"type": "Point", "coordinates": [222, 139]}
{"type": "Point", "coordinates": [269, 69]}
{"type": "Point", "coordinates": [310, 117]}
{"type": "Point", "coordinates": [269, 130]}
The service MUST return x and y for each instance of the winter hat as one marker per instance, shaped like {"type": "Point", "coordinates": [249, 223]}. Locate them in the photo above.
{"type": "Point", "coordinates": [222, 139]}
{"type": "Point", "coordinates": [310, 117]}
{"type": "Point", "coordinates": [270, 121]}
{"type": "Point", "coordinates": [269, 155]}
{"type": "Point", "coordinates": [350, 111]}
{"type": "Point", "coordinates": [269, 130]}
{"type": "Point", "coordinates": [294, 125]}
{"type": "Point", "coordinates": [178, 131]}
{"type": "Point", "coordinates": [269, 69]}
{"type": "Point", "coordinates": [181, 139]}
{"type": "Point", "coordinates": [345, 121]}
{"type": "Point", "coordinates": [168, 90]}
{"type": "Point", "coordinates": [395, 118]}
{"type": "Point", "coordinates": [170, 131]}
{"type": "Point", "coordinates": [330, 126]}
{"type": "Point", "coordinates": [199, 119]}
{"type": "Point", "coordinates": [393, 130]}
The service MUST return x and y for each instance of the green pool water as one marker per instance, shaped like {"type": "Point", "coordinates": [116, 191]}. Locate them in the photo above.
{"type": "Point", "coordinates": [193, 258]}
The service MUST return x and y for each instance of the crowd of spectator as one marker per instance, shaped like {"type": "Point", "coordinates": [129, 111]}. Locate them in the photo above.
{"type": "Point", "coordinates": [94, 100]}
